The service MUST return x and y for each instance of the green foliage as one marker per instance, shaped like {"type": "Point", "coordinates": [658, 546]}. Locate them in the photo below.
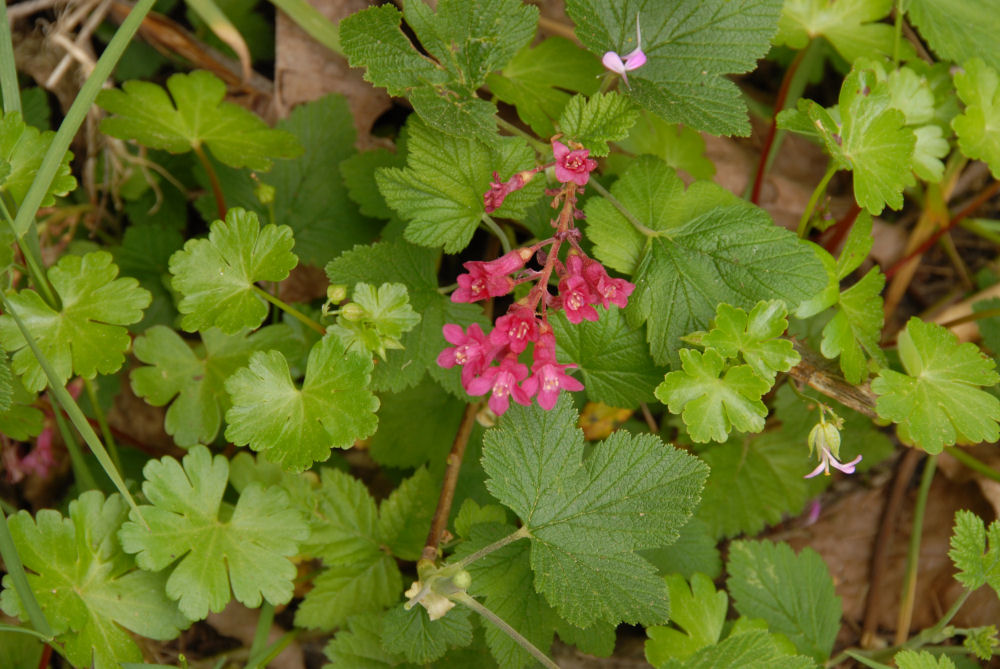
{"type": "Point", "coordinates": [958, 29]}
{"type": "Point", "coordinates": [978, 86]}
{"type": "Point", "coordinates": [595, 121]}
{"type": "Point", "coordinates": [377, 320]}
{"type": "Point", "coordinates": [793, 593]}
{"type": "Point", "coordinates": [853, 27]}
{"type": "Point", "coordinates": [22, 148]}
{"type": "Point", "coordinates": [587, 518]}
{"type": "Point", "coordinates": [145, 254]}
{"type": "Point", "coordinates": [909, 659]}
{"type": "Point", "coordinates": [749, 649]}
{"type": "Point", "coordinates": [612, 357]}
{"type": "Point", "coordinates": [703, 247]}
{"type": "Point", "coordinates": [216, 276]}
{"type": "Point", "coordinates": [416, 268]}
{"type": "Point", "coordinates": [87, 335]}
{"type": "Point", "coordinates": [415, 426]}
{"type": "Point", "coordinates": [982, 641]}
{"type": "Point", "coordinates": [440, 192]}
{"type": "Point", "coordinates": [297, 427]}
{"type": "Point", "coordinates": [694, 551]}
{"type": "Point", "coordinates": [360, 645]}
{"type": "Point", "coordinates": [680, 146]}
{"type": "Point", "coordinates": [975, 550]}
{"type": "Point", "coordinates": [415, 636]}
{"type": "Point", "coordinates": [465, 43]}
{"type": "Point", "coordinates": [938, 401]}
{"type": "Point", "coordinates": [691, 46]}
{"type": "Point", "coordinates": [698, 613]}
{"type": "Point", "coordinates": [6, 384]}
{"type": "Point", "coordinates": [714, 405]}
{"type": "Point", "coordinates": [22, 419]}
{"type": "Point", "coordinates": [864, 134]}
{"type": "Point", "coordinates": [245, 545]}
{"type": "Point", "coordinates": [535, 81]}
{"type": "Point", "coordinates": [754, 337]}
{"type": "Point", "coordinates": [88, 588]}
{"type": "Point", "coordinates": [193, 115]}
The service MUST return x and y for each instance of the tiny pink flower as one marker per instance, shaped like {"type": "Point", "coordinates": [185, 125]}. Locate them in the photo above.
{"type": "Point", "coordinates": [502, 381]}
{"type": "Point", "coordinates": [515, 329]}
{"type": "Point", "coordinates": [608, 290]}
{"type": "Point", "coordinates": [827, 460]}
{"type": "Point", "coordinates": [633, 60]}
{"type": "Point", "coordinates": [472, 351]}
{"type": "Point", "coordinates": [549, 376]}
{"type": "Point", "coordinates": [575, 298]}
{"type": "Point", "coordinates": [494, 197]}
{"type": "Point", "coordinates": [489, 279]}
{"type": "Point", "coordinates": [574, 166]}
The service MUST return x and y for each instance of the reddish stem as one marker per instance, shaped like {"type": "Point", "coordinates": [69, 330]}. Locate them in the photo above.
{"type": "Point", "coordinates": [841, 228]}
{"type": "Point", "coordinates": [772, 131]}
{"type": "Point", "coordinates": [979, 200]}
{"type": "Point", "coordinates": [46, 658]}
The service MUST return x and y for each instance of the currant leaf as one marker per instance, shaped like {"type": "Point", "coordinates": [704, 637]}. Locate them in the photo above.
{"type": "Point", "coordinates": [587, 518]}
{"type": "Point", "coordinates": [87, 336]}
{"type": "Point", "coordinates": [958, 29]}
{"type": "Point", "coordinates": [422, 640]}
{"type": "Point", "coordinates": [597, 120]}
{"type": "Point", "coordinates": [245, 546]}
{"type": "Point", "coordinates": [192, 115]}
{"type": "Point", "coordinates": [748, 649]}
{"type": "Point", "coordinates": [938, 401]}
{"type": "Point", "coordinates": [909, 659]}
{"type": "Point", "coordinates": [975, 550]}
{"type": "Point", "coordinates": [853, 27]}
{"type": "Point", "coordinates": [216, 276]}
{"type": "Point", "coordinates": [297, 427]}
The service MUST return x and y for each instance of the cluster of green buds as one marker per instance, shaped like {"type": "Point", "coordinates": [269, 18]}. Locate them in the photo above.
{"type": "Point", "coordinates": [373, 320]}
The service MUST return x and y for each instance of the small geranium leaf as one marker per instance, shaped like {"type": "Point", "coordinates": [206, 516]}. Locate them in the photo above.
{"type": "Point", "coordinates": [697, 612]}
{"type": "Point", "coordinates": [192, 115]}
{"type": "Point", "coordinates": [978, 86]}
{"type": "Point", "coordinates": [587, 518]}
{"type": "Point", "coordinates": [378, 319]}
{"type": "Point", "coordinates": [712, 403]}
{"type": "Point", "coordinates": [245, 546]}
{"type": "Point", "coordinates": [87, 336]}
{"type": "Point", "coordinates": [22, 148]}
{"type": "Point", "coordinates": [856, 328]}
{"type": "Point", "coordinates": [975, 550]}
{"type": "Point", "coordinates": [938, 401]}
{"type": "Point", "coordinates": [216, 276]}
{"type": "Point", "coordinates": [597, 120]}
{"type": "Point", "coordinates": [755, 337]}
{"type": "Point", "coordinates": [22, 419]}
{"type": "Point", "coordinates": [853, 27]}
{"type": "Point", "coordinates": [297, 427]}
{"type": "Point", "coordinates": [88, 588]}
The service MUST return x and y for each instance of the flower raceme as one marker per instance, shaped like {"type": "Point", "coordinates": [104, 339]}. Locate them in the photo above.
{"type": "Point", "coordinates": [491, 362]}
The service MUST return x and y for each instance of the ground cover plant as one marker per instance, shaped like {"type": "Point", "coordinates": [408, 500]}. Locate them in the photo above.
{"type": "Point", "coordinates": [517, 380]}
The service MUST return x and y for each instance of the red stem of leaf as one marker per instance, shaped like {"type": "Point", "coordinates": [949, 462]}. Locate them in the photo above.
{"type": "Point", "coordinates": [840, 230]}
{"type": "Point", "coordinates": [46, 657]}
{"type": "Point", "coordinates": [967, 211]}
{"type": "Point", "coordinates": [772, 131]}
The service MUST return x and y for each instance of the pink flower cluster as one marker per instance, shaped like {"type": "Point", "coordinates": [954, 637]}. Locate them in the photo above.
{"type": "Point", "coordinates": [491, 363]}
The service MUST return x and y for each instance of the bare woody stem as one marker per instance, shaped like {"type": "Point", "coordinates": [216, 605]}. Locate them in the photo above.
{"type": "Point", "coordinates": [811, 372]}
{"type": "Point", "coordinates": [454, 465]}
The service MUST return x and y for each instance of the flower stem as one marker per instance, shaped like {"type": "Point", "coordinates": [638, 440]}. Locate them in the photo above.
{"type": "Point", "coordinates": [913, 553]}
{"type": "Point", "coordinates": [468, 601]}
{"type": "Point", "coordinates": [32, 259]}
{"type": "Point", "coordinates": [102, 423]}
{"type": "Point", "coordinates": [447, 496]}
{"type": "Point", "coordinates": [81, 472]}
{"type": "Point", "coordinates": [898, 33]}
{"type": "Point", "coordinates": [629, 216]}
{"type": "Point", "coordinates": [522, 533]}
{"type": "Point", "coordinates": [975, 464]}
{"type": "Point", "coordinates": [538, 145]}
{"type": "Point", "coordinates": [493, 227]}
{"type": "Point", "coordinates": [803, 229]}
{"type": "Point", "coordinates": [213, 179]}
{"type": "Point", "coordinates": [290, 310]}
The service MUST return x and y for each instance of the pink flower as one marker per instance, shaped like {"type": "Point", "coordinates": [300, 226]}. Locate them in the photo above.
{"type": "Point", "coordinates": [576, 300]}
{"type": "Point", "coordinates": [489, 279]}
{"type": "Point", "coordinates": [515, 329]}
{"type": "Point", "coordinates": [503, 382]}
{"type": "Point", "coordinates": [472, 351]}
{"type": "Point", "coordinates": [549, 376]}
{"type": "Point", "coordinates": [827, 460]}
{"type": "Point", "coordinates": [634, 60]}
{"type": "Point", "coordinates": [573, 166]}
{"type": "Point", "coordinates": [609, 291]}
{"type": "Point", "coordinates": [494, 197]}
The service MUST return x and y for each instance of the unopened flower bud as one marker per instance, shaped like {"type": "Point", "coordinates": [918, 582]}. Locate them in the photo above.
{"type": "Point", "coordinates": [264, 192]}
{"type": "Point", "coordinates": [462, 579]}
{"type": "Point", "coordinates": [352, 311]}
{"type": "Point", "coordinates": [336, 293]}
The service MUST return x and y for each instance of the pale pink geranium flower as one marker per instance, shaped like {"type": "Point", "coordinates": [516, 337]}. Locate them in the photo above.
{"type": "Point", "coordinates": [633, 60]}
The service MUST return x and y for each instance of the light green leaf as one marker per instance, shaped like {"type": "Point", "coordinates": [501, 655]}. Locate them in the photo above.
{"type": "Point", "coordinates": [938, 401]}
{"type": "Point", "coordinates": [216, 276]}
{"type": "Point", "coordinates": [958, 29]}
{"type": "Point", "coordinates": [691, 45]}
{"type": "Point", "coordinates": [975, 550]}
{"type": "Point", "coordinates": [404, 517]}
{"type": "Point", "coordinates": [22, 148]}
{"type": "Point", "coordinates": [755, 337]}
{"type": "Point", "coordinates": [793, 593]}
{"type": "Point", "coordinates": [853, 27]}
{"type": "Point", "coordinates": [535, 81]}
{"type": "Point", "coordinates": [705, 247]}
{"type": "Point", "coordinates": [982, 641]}
{"type": "Point", "coordinates": [385, 314]}
{"type": "Point", "coordinates": [680, 146]}
{"type": "Point", "coordinates": [195, 116]}
{"type": "Point", "coordinates": [6, 384]}
{"type": "Point", "coordinates": [699, 611]}
{"type": "Point", "coordinates": [440, 192]}
{"type": "Point", "coordinates": [87, 586]}
{"type": "Point", "coordinates": [245, 546]}
{"type": "Point", "coordinates": [471, 514]}
{"type": "Point", "coordinates": [586, 518]}
{"type": "Point", "coordinates": [612, 357]}
{"type": "Point", "coordinates": [712, 406]}
{"type": "Point", "coordinates": [358, 171]}
{"type": "Point", "coordinates": [87, 336]}
{"type": "Point", "coordinates": [22, 420]}
{"type": "Point", "coordinates": [750, 649]}
{"type": "Point", "coordinates": [855, 331]}
{"type": "Point", "coordinates": [597, 120]}
{"type": "Point", "coordinates": [413, 634]}
{"type": "Point", "coordinates": [978, 128]}
{"type": "Point", "coordinates": [908, 659]}
{"type": "Point", "coordinates": [344, 590]}
{"type": "Point", "coordinates": [297, 427]}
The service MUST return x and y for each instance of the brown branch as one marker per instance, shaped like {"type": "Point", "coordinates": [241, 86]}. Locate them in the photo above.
{"type": "Point", "coordinates": [443, 510]}
{"type": "Point", "coordinates": [812, 371]}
